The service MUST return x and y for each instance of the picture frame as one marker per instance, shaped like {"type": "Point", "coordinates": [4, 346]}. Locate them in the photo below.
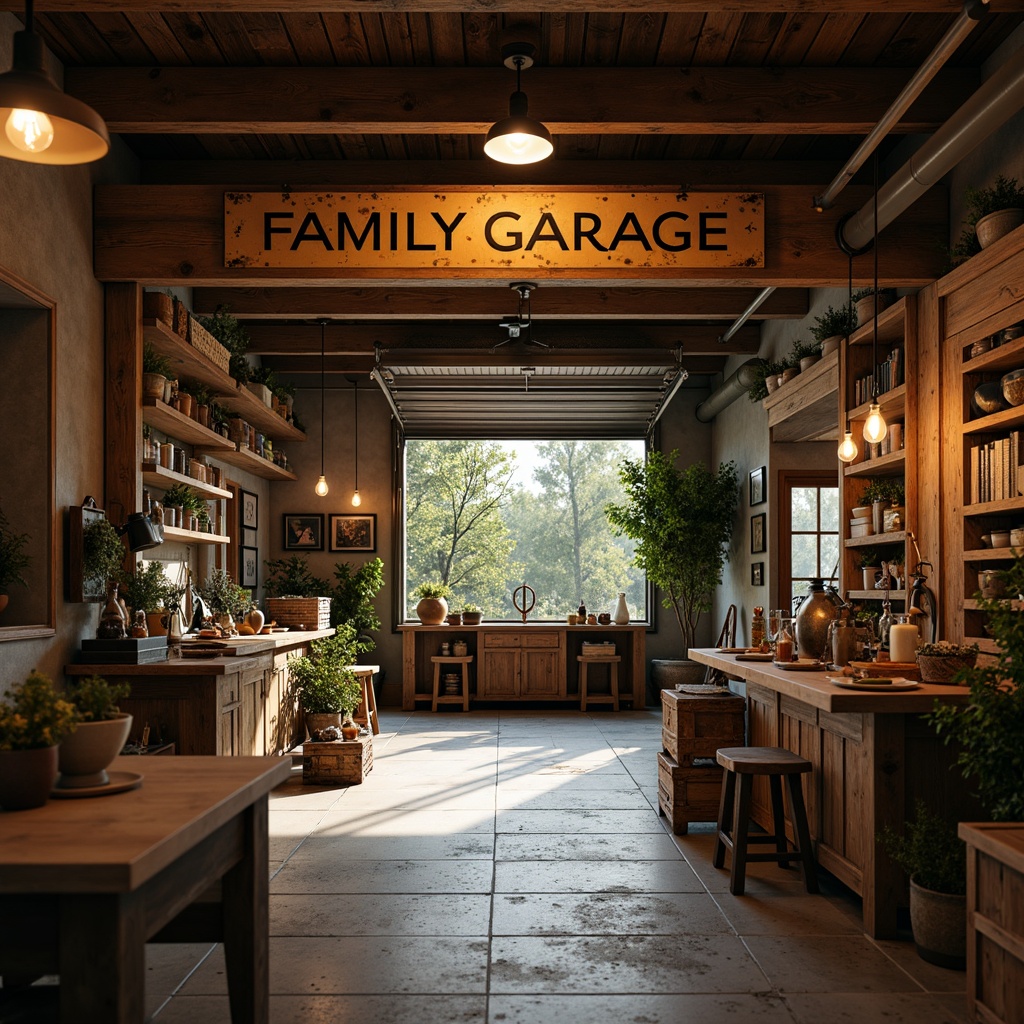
{"type": "Point", "coordinates": [353, 532]}
{"type": "Point", "coordinates": [249, 506]}
{"type": "Point", "coordinates": [757, 488]}
{"type": "Point", "coordinates": [757, 534]}
{"type": "Point", "coordinates": [303, 531]}
{"type": "Point", "coordinates": [248, 569]}
{"type": "Point", "coordinates": [757, 574]}
{"type": "Point", "coordinates": [249, 538]}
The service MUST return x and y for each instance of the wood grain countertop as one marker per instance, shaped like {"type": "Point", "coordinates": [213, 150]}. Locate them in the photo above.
{"type": "Point", "coordinates": [814, 689]}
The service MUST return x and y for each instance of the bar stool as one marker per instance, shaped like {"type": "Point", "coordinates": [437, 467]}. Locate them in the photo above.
{"type": "Point", "coordinates": [612, 661]}
{"type": "Point", "coordinates": [440, 698]}
{"type": "Point", "coordinates": [775, 762]}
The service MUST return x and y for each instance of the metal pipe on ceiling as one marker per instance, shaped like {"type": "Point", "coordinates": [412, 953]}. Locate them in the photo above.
{"type": "Point", "coordinates": [728, 391]}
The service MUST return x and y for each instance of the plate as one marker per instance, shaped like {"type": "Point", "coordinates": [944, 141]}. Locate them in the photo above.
{"type": "Point", "coordinates": [892, 685]}
{"type": "Point", "coordinates": [119, 783]}
{"type": "Point", "coordinates": [755, 656]}
{"type": "Point", "coordinates": [803, 665]}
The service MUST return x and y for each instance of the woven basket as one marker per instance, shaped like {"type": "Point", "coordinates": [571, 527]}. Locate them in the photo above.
{"type": "Point", "coordinates": [942, 670]}
{"type": "Point", "coordinates": [307, 612]}
{"type": "Point", "coordinates": [203, 341]}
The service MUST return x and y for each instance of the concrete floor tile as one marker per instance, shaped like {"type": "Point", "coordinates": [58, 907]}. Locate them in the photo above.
{"type": "Point", "coordinates": [607, 914]}
{"type": "Point", "coordinates": [639, 1009]}
{"type": "Point", "coordinates": [555, 846]}
{"type": "Point", "coordinates": [604, 781]}
{"type": "Point", "coordinates": [930, 977]}
{"type": "Point", "coordinates": [595, 876]}
{"type": "Point", "coordinates": [315, 874]}
{"type": "Point", "coordinates": [335, 844]}
{"type": "Point", "coordinates": [577, 821]}
{"type": "Point", "coordinates": [168, 964]}
{"type": "Point", "coordinates": [389, 914]}
{"type": "Point", "coordinates": [791, 914]}
{"type": "Point", "coordinates": [561, 799]}
{"type": "Point", "coordinates": [406, 823]}
{"type": "Point", "coordinates": [479, 796]}
{"type": "Point", "coordinates": [623, 964]}
{"type": "Point", "coordinates": [891, 1007]}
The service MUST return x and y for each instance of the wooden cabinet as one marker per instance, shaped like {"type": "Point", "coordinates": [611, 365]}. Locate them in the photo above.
{"type": "Point", "coordinates": [527, 665]}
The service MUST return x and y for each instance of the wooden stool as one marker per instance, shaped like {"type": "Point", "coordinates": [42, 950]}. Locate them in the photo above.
{"type": "Point", "coordinates": [439, 698]}
{"type": "Point", "coordinates": [746, 762]}
{"type": "Point", "coordinates": [366, 713]}
{"type": "Point", "coordinates": [612, 661]}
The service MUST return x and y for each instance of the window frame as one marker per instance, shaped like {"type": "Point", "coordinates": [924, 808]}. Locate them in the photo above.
{"type": "Point", "coordinates": [787, 481]}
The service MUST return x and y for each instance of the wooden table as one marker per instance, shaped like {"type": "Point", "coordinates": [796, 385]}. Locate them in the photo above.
{"type": "Point", "coordinates": [366, 713]}
{"type": "Point", "coordinates": [85, 883]}
{"type": "Point", "coordinates": [873, 757]}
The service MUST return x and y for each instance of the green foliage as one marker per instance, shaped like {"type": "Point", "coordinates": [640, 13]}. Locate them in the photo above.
{"type": "Point", "coordinates": [883, 488]}
{"type": "Point", "coordinates": [292, 577]}
{"type": "Point", "coordinates": [263, 375]}
{"type": "Point", "coordinates": [966, 246]}
{"type": "Point", "coordinates": [989, 729]}
{"type": "Point", "coordinates": [34, 715]}
{"type": "Point", "coordinates": [223, 595]}
{"type": "Point", "coordinates": [801, 350]}
{"type": "Point", "coordinates": [13, 560]}
{"type": "Point", "coordinates": [200, 393]}
{"type": "Point", "coordinates": [869, 558]}
{"type": "Point", "coordinates": [682, 521]}
{"type": "Point", "coordinates": [471, 608]}
{"type": "Point", "coordinates": [945, 649]}
{"type": "Point", "coordinates": [352, 599]}
{"type": "Point", "coordinates": [322, 680]}
{"type": "Point", "coordinates": [95, 699]}
{"type": "Point", "coordinates": [102, 551]}
{"type": "Point", "coordinates": [233, 336]}
{"type": "Point", "coordinates": [1004, 194]}
{"type": "Point", "coordinates": [929, 851]}
{"type": "Point", "coordinates": [432, 590]}
{"type": "Point", "coordinates": [154, 362]}
{"type": "Point", "coordinates": [766, 368]}
{"type": "Point", "coordinates": [834, 321]}
{"type": "Point", "coordinates": [185, 497]}
{"type": "Point", "coordinates": [148, 588]}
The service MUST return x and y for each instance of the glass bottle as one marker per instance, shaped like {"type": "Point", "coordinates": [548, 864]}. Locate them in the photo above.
{"type": "Point", "coordinates": [885, 621]}
{"type": "Point", "coordinates": [582, 611]}
{"type": "Point", "coordinates": [757, 627]}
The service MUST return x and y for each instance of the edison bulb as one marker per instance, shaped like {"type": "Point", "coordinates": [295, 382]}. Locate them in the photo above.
{"type": "Point", "coordinates": [31, 131]}
{"type": "Point", "coordinates": [321, 486]}
{"type": "Point", "coordinates": [356, 500]}
{"type": "Point", "coordinates": [847, 448]}
{"type": "Point", "coordinates": [875, 427]}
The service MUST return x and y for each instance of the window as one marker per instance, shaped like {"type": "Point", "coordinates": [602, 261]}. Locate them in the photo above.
{"type": "Point", "coordinates": [484, 517]}
{"type": "Point", "coordinates": [809, 532]}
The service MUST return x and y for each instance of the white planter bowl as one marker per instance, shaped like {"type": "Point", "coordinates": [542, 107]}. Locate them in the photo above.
{"type": "Point", "coordinates": [84, 755]}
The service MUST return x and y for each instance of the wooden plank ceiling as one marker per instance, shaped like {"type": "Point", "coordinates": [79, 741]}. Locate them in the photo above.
{"type": "Point", "coordinates": [744, 92]}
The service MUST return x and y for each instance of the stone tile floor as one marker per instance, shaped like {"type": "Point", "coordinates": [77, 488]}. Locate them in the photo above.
{"type": "Point", "coordinates": [511, 868]}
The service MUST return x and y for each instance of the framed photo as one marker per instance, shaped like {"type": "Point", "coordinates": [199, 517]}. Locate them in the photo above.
{"type": "Point", "coordinates": [304, 532]}
{"type": "Point", "coordinates": [757, 494]}
{"type": "Point", "coordinates": [757, 536]}
{"type": "Point", "coordinates": [250, 504]}
{"type": "Point", "coordinates": [757, 574]}
{"type": "Point", "coordinates": [249, 538]}
{"type": "Point", "coordinates": [249, 569]}
{"type": "Point", "coordinates": [353, 533]}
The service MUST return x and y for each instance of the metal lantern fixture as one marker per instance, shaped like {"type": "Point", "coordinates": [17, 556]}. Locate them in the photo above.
{"type": "Point", "coordinates": [875, 427]}
{"type": "Point", "coordinates": [518, 138]}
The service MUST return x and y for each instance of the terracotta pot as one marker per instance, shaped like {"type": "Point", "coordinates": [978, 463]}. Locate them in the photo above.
{"type": "Point", "coordinates": [771, 382]}
{"type": "Point", "coordinates": [203, 415]}
{"type": "Point", "coordinates": [472, 618]}
{"type": "Point", "coordinates": [256, 619]}
{"type": "Point", "coordinates": [26, 777]}
{"type": "Point", "coordinates": [870, 575]}
{"type": "Point", "coordinates": [871, 305]}
{"type": "Point", "coordinates": [831, 344]}
{"type": "Point", "coordinates": [788, 374]}
{"type": "Point", "coordinates": [808, 361]}
{"type": "Point", "coordinates": [432, 611]}
{"type": "Point", "coordinates": [85, 754]}
{"type": "Point", "coordinates": [153, 385]}
{"type": "Point", "coordinates": [184, 404]}
{"type": "Point", "coordinates": [453, 618]}
{"type": "Point", "coordinates": [156, 622]}
{"type": "Point", "coordinates": [993, 226]}
{"type": "Point", "coordinates": [939, 923]}
{"type": "Point", "coordinates": [317, 721]}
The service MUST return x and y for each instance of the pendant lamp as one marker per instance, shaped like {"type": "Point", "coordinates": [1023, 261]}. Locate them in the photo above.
{"type": "Point", "coordinates": [847, 451]}
{"type": "Point", "coordinates": [356, 500]}
{"type": "Point", "coordinates": [518, 138]}
{"type": "Point", "coordinates": [40, 124]}
{"type": "Point", "coordinates": [875, 427]}
{"type": "Point", "coordinates": [321, 484]}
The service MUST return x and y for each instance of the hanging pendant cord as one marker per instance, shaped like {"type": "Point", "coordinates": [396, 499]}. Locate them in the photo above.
{"type": "Point", "coordinates": [323, 394]}
{"type": "Point", "coordinates": [355, 407]}
{"type": "Point", "coordinates": [874, 336]}
{"type": "Point", "coordinates": [28, 15]}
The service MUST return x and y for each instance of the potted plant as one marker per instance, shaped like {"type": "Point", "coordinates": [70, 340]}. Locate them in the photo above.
{"type": "Point", "coordinates": [13, 560]}
{"type": "Point", "coordinates": [352, 600]}
{"type": "Point", "coordinates": [996, 211]}
{"type": "Point", "coordinates": [202, 396]}
{"type": "Point", "coordinates": [432, 608]}
{"type": "Point", "coordinates": [804, 354]}
{"type": "Point", "coordinates": [292, 577]}
{"type": "Point", "coordinates": [101, 733]}
{"type": "Point", "coordinates": [870, 562]}
{"type": "Point", "coordinates": [34, 718]}
{"type": "Point", "coordinates": [323, 681]}
{"type": "Point", "coordinates": [682, 521]}
{"type": "Point", "coordinates": [260, 383]}
{"type": "Point", "coordinates": [790, 369]}
{"type": "Point", "coordinates": [149, 590]}
{"type": "Point", "coordinates": [156, 372]}
{"type": "Point", "coordinates": [832, 326]}
{"type": "Point", "coordinates": [870, 303]}
{"type": "Point", "coordinates": [766, 379]}
{"type": "Point", "coordinates": [471, 615]}
{"type": "Point", "coordinates": [943, 662]}
{"type": "Point", "coordinates": [882, 493]}
{"type": "Point", "coordinates": [936, 861]}
{"type": "Point", "coordinates": [224, 598]}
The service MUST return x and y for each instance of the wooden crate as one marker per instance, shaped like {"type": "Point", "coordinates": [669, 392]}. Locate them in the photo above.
{"type": "Point", "coordinates": [338, 762]}
{"type": "Point", "coordinates": [305, 612]}
{"type": "Point", "coordinates": [203, 341]}
{"type": "Point", "coordinates": [688, 793]}
{"type": "Point", "coordinates": [694, 726]}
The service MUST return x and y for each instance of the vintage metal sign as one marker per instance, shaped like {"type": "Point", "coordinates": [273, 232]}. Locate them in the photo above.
{"type": "Point", "coordinates": [475, 230]}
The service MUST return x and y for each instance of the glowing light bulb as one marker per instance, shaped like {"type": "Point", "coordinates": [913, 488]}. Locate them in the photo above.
{"type": "Point", "coordinates": [875, 427]}
{"type": "Point", "coordinates": [847, 448]}
{"type": "Point", "coordinates": [356, 500]}
{"type": "Point", "coordinates": [321, 486]}
{"type": "Point", "coordinates": [31, 131]}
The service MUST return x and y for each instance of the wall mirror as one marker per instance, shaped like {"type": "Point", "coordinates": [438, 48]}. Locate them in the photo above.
{"type": "Point", "coordinates": [27, 413]}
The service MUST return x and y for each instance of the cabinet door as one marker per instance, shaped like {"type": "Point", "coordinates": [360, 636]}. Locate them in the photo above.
{"type": "Point", "coordinates": [542, 674]}
{"type": "Point", "coordinates": [251, 712]}
{"type": "Point", "coordinates": [499, 675]}
{"type": "Point", "coordinates": [229, 740]}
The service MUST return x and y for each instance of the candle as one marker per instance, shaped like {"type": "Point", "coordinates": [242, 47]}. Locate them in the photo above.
{"type": "Point", "coordinates": [902, 641]}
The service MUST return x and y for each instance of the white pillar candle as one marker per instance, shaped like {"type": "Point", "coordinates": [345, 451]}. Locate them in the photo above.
{"type": "Point", "coordinates": [903, 642]}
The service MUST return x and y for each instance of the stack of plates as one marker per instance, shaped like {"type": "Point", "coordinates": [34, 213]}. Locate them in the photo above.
{"type": "Point", "coordinates": [861, 528]}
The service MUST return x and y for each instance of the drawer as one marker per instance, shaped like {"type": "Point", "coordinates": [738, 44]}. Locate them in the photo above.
{"type": "Point", "coordinates": [544, 640]}
{"type": "Point", "coordinates": [503, 639]}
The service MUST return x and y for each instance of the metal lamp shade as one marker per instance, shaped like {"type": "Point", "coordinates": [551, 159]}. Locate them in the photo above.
{"type": "Point", "coordinates": [79, 134]}
{"type": "Point", "coordinates": [142, 532]}
{"type": "Point", "coordinates": [518, 139]}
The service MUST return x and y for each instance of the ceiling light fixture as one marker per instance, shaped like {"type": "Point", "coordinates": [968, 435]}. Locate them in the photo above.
{"type": "Point", "coordinates": [875, 427]}
{"type": "Point", "coordinates": [518, 138]}
{"type": "Point", "coordinates": [356, 500]}
{"type": "Point", "coordinates": [41, 124]}
{"type": "Point", "coordinates": [847, 450]}
{"type": "Point", "coordinates": [321, 484]}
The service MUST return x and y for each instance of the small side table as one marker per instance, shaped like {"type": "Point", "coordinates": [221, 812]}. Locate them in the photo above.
{"type": "Point", "coordinates": [439, 698]}
{"type": "Point", "coordinates": [612, 697]}
{"type": "Point", "coordinates": [366, 713]}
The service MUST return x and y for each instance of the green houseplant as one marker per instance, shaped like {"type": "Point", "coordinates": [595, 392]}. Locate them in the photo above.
{"type": "Point", "coordinates": [832, 326]}
{"type": "Point", "coordinates": [232, 334]}
{"type": "Point", "coordinates": [995, 211]}
{"type": "Point", "coordinates": [323, 681]}
{"type": "Point", "coordinates": [804, 354]}
{"type": "Point", "coordinates": [101, 733]}
{"type": "Point", "coordinates": [352, 599]}
{"type": "Point", "coordinates": [102, 552]}
{"type": "Point", "coordinates": [682, 522]}
{"type": "Point", "coordinates": [13, 560]}
{"type": "Point", "coordinates": [432, 608]}
{"type": "Point", "coordinates": [766, 375]}
{"type": "Point", "coordinates": [224, 597]}
{"type": "Point", "coordinates": [292, 577]}
{"type": "Point", "coordinates": [156, 371]}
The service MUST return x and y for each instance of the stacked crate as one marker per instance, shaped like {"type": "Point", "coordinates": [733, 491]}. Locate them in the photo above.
{"type": "Point", "coordinates": [693, 728]}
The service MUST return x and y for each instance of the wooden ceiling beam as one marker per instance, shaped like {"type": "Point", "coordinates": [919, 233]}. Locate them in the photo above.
{"type": "Point", "coordinates": [450, 100]}
{"type": "Point", "coordinates": [599, 302]}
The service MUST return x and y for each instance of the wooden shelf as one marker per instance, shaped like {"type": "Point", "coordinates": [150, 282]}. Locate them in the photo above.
{"type": "Point", "coordinates": [182, 428]}
{"type": "Point", "coordinates": [193, 536]}
{"type": "Point", "coordinates": [1008, 356]}
{"type": "Point", "coordinates": [890, 326]}
{"type": "Point", "coordinates": [158, 476]}
{"type": "Point", "coordinates": [188, 362]}
{"type": "Point", "coordinates": [892, 403]}
{"type": "Point", "coordinates": [893, 464]}
{"type": "Point", "coordinates": [876, 595]}
{"type": "Point", "coordinates": [970, 605]}
{"type": "Point", "coordinates": [806, 408]}
{"type": "Point", "coordinates": [995, 508]}
{"type": "Point", "coordinates": [990, 555]}
{"type": "Point", "coordinates": [896, 537]}
{"type": "Point", "coordinates": [998, 421]}
{"type": "Point", "coordinates": [243, 458]}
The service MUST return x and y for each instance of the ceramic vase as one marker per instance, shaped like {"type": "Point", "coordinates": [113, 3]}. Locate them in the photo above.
{"type": "Point", "coordinates": [993, 226]}
{"type": "Point", "coordinates": [256, 619]}
{"type": "Point", "coordinates": [620, 616]}
{"type": "Point", "coordinates": [85, 754]}
{"type": "Point", "coordinates": [432, 611]}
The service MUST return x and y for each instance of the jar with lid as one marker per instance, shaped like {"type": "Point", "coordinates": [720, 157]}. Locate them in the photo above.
{"type": "Point", "coordinates": [903, 639]}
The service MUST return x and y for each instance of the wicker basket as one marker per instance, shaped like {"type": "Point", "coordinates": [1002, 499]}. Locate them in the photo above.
{"type": "Point", "coordinates": [942, 670]}
{"type": "Point", "coordinates": [203, 341]}
{"type": "Point", "coordinates": [300, 612]}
